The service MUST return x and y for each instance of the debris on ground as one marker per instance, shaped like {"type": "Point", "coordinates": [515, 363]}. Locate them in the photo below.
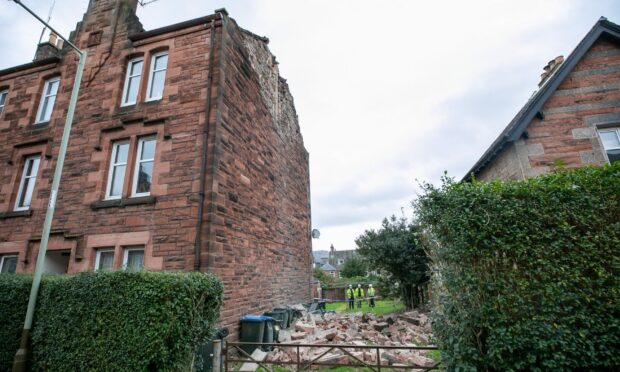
{"type": "Point", "coordinates": [257, 355]}
{"type": "Point", "coordinates": [362, 329]}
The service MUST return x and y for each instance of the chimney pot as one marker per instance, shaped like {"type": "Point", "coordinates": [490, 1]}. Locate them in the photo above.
{"type": "Point", "coordinates": [549, 69]}
{"type": "Point", "coordinates": [53, 38]}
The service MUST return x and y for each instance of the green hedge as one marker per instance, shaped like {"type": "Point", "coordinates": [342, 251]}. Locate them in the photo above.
{"type": "Point", "coordinates": [122, 321]}
{"type": "Point", "coordinates": [527, 272]}
{"type": "Point", "coordinates": [14, 292]}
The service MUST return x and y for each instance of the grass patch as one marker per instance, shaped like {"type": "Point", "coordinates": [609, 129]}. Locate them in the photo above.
{"type": "Point", "coordinates": [435, 355]}
{"type": "Point", "coordinates": [382, 307]}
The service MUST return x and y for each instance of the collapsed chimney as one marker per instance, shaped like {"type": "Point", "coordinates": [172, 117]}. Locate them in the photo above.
{"type": "Point", "coordinates": [50, 48]}
{"type": "Point", "coordinates": [549, 69]}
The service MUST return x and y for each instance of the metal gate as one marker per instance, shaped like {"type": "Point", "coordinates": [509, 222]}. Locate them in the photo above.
{"type": "Point", "coordinates": [234, 354]}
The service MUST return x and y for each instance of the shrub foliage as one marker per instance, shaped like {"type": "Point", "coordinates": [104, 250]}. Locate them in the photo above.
{"type": "Point", "coordinates": [122, 321]}
{"type": "Point", "coordinates": [14, 292]}
{"type": "Point", "coordinates": [528, 272]}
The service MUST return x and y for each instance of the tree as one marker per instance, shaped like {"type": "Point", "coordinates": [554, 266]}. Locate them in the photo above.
{"type": "Point", "coordinates": [353, 266]}
{"type": "Point", "coordinates": [396, 248]}
{"type": "Point", "coordinates": [322, 276]}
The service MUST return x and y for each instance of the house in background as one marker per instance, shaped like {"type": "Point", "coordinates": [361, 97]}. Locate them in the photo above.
{"type": "Point", "coordinates": [330, 270]}
{"type": "Point", "coordinates": [334, 258]}
{"type": "Point", "coordinates": [571, 121]}
{"type": "Point", "coordinates": [338, 258]}
{"type": "Point", "coordinates": [185, 154]}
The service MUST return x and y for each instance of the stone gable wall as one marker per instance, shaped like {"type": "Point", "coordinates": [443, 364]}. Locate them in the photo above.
{"type": "Point", "coordinates": [260, 216]}
{"type": "Point", "coordinates": [567, 135]}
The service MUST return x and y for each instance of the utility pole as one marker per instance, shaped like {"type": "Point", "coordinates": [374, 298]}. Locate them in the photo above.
{"type": "Point", "coordinates": [21, 357]}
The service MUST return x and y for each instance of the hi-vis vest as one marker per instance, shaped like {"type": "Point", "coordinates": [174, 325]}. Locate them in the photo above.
{"type": "Point", "coordinates": [359, 292]}
{"type": "Point", "coordinates": [371, 292]}
{"type": "Point", "coordinates": [349, 293]}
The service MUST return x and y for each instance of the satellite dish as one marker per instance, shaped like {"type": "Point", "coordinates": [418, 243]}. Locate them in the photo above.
{"type": "Point", "coordinates": [315, 234]}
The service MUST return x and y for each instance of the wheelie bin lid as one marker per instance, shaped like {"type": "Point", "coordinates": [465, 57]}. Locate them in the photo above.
{"type": "Point", "coordinates": [257, 318]}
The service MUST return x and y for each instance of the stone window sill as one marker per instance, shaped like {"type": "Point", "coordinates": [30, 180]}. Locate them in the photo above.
{"type": "Point", "coordinates": [13, 214]}
{"type": "Point", "coordinates": [122, 203]}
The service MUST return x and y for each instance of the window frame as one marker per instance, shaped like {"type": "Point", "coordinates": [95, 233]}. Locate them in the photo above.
{"type": "Point", "coordinates": [3, 93]}
{"type": "Point", "coordinates": [138, 161]}
{"type": "Point", "coordinates": [128, 249]}
{"type": "Point", "coordinates": [44, 96]}
{"type": "Point", "coordinates": [10, 255]}
{"type": "Point", "coordinates": [98, 257]}
{"type": "Point", "coordinates": [128, 76]}
{"type": "Point", "coordinates": [605, 150]}
{"type": "Point", "coordinates": [152, 71]}
{"type": "Point", "coordinates": [115, 145]}
{"type": "Point", "coordinates": [22, 181]}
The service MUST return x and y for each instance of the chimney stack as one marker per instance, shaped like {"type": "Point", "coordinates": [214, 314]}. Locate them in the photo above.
{"type": "Point", "coordinates": [48, 49]}
{"type": "Point", "coordinates": [549, 69]}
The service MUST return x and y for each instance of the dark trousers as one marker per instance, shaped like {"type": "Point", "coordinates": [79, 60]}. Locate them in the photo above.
{"type": "Point", "coordinates": [351, 303]}
{"type": "Point", "coordinates": [372, 302]}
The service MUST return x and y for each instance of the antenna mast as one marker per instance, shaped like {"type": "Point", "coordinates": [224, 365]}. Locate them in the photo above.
{"type": "Point", "coordinates": [49, 17]}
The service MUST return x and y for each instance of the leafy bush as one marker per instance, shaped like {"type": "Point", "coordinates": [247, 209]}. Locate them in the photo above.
{"type": "Point", "coordinates": [122, 321]}
{"type": "Point", "coordinates": [528, 271]}
{"type": "Point", "coordinates": [322, 276]}
{"type": "Point", "coordinates": [14, 293]}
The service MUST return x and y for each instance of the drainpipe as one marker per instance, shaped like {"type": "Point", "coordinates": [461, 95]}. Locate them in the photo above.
{"type": "Point", "coordinates": [203, 161]}
{"type": "Point", "coordinates": [218, 119]}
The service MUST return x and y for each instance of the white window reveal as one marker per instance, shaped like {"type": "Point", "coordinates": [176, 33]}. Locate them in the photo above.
{"type": "Point", "coordinates": [3, 94]}
{"type": "Point", "coordinates": [26, 185]}
{"type": "Point", "coordinates": [48, 98]}
{"type": "Point", "coordinates": [611, 143]}
{"type": "Point", "coordinates": [104, 260]}
{"type": "Point", "coordinates": [143, 174]}
{"type": "Point", "coordinates": [157, 76]}
{"type": "Point", "coordinates": [8, 263]}
{"type": "Point", "coordinates": [132, 82]}
{"type": "Point", "coordinates": [116, 174]}
{"type": "Point", "coordinates": [133, 258]}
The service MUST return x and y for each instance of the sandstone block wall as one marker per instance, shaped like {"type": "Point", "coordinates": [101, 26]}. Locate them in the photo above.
{"type": "Point", "coordinates": [256, 229]}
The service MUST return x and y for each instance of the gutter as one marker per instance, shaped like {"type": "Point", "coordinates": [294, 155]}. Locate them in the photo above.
{"type": "Point", "coordinates": [26, 66]}
{"type": "Point", "coordinates": [171, 28]}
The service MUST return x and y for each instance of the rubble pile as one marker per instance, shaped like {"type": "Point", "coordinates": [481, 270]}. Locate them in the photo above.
{"type": "Point", "coordinates": [407, 329]}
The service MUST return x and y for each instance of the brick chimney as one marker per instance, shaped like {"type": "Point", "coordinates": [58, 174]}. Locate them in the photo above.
{"type": "Point", "coordinates": [99, 6]}
{"type": "Point", "coordinates": [50, 48]}
{"type": "Point", "coordinates": [549, 69]}
{"type": "Point", "coordinates": [104, 21]}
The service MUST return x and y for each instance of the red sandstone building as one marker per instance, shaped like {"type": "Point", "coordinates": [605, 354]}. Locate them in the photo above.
{"type": "Point", "coordinates": [185, 154]}
{"type": "Point", "coordinates": [571, 121]}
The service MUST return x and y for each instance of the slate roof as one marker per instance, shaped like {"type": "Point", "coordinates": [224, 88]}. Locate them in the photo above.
{"type": "Point", "coordinates": [517, 126]}
{"type": "Point", "coordinates": [328, 267]}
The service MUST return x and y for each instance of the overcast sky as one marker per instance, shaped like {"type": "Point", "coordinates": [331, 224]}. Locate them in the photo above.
{"type": "Point", "coordinates": [387, 92]}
